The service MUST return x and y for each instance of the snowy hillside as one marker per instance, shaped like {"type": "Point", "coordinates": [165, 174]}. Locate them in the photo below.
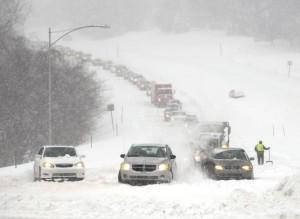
{"type": "Point", "coordinates": [202, 76]}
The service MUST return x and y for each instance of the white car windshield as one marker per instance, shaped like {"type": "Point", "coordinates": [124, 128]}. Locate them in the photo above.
{"type": "Point", "coordinates": [60, 152]}
{"type": "Point", "coordinates": [147, 151]}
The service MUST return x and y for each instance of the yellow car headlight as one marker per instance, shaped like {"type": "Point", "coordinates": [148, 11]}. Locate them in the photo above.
{"type": "Point", "coordinates": [47, 165]}
{"type": "Point", "coordinates": [163, 167]}
{"type": "Point", "coordinates": [219, 167]}
{"type": "Point", "coordinates": [125, 166]}
{"type": "Point", "coordinates": [79, 165]}
{"type": "Point", "coordinates": [246, 167]}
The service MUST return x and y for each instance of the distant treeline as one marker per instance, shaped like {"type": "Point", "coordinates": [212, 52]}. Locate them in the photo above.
{"type": "Point", "coordinates": [262, 19]}
{"type": "Point", "coordinates": [76, 95]}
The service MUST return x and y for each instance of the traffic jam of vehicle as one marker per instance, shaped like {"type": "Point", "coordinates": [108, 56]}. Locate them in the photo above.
{"type": "Point", "coordinates": [155, 163]}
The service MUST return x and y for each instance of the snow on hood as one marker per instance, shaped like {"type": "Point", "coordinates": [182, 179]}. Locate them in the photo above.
{"type": "Point", "coordinates": [65, 159]}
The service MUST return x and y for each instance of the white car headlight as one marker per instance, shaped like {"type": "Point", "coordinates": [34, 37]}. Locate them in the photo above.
{"type": "Point", "coordinates": [163, 167]}
{"type": "Point", "coordinates": [125, 166]}
{"type": "Point", "coordinates": [219, 167]}
{"type": "Point", "coordinates": [197, 158]}
{"type": "Point", "coordinates": [246, 167]}
{"type": "Point", "coordinates": [158, 99]}
{"type": "Point", "coordinates": [47, 165]}
{"type": "Point", "coordinates": [79, 165]}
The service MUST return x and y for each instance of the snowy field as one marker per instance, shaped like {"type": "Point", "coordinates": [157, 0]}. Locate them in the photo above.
{"type": "Point", "coordinates": [203, 67]}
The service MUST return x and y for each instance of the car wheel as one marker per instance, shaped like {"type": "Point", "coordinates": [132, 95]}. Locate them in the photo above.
{"type": "Point", "coordinates": [120, 178]}
{"type": "Point", "coordinates": [40, 175]}
{"type": "Point", "coordinates": [34, 178]}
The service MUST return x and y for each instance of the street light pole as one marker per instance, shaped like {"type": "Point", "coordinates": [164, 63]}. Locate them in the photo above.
{"type": "Point", "coordinates": [64, 33]}
{"type": "Point", "coordinates": [49, 92]}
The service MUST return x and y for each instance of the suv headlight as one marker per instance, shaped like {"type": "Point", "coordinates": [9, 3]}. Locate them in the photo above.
{"type": "Point", "coordinates": [79, 164]}
{"type": "Point", "coordinates": [246, 167]}
{"type": "Point", "coordinates": [163, 167]}
{"type": "Point", "coordinates": [47, 165]}
{"type": "Point", "coordinates": [125, 166]}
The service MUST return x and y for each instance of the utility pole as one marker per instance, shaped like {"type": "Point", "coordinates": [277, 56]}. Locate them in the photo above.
{"type": "Point", "coordinates": [50, 45]}
{"type": "Point", "coordinates": [49, 92]}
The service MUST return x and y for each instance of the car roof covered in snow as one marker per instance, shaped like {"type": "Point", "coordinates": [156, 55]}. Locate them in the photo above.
{"type": "Point", "coordinates": [59, 146]}
{"type": "Point", "coordinates": [219, 150]}
{"type": "Point", "coordinates": [150, 144]}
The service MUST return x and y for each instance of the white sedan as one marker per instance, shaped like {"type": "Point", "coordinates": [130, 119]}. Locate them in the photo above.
{"type": "Point", "coordinates": [58, 162]}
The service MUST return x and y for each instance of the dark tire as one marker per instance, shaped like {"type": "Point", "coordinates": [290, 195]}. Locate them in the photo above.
{"type": "Point", "coordinates": [34, 178]}
{"type": "Point", "coordinates": [39, 178]}
{"type": "Point", "coordinates": [120, 178]}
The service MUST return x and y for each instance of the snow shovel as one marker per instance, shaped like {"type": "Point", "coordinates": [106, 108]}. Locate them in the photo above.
{"type": "Point", "coordinates": [269, 159]}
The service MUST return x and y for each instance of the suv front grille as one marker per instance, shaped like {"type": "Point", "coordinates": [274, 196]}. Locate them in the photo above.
{"type": "Point", "coordinates": [142, 167]}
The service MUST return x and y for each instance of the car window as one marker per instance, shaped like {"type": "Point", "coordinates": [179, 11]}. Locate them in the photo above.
{"type": "Point", "coordinates": [231, 155]}
{"type": "Point", "coordinates": [169, 152]}
{"type": "Point", "coordinates": [41, 151]}
{"type": "Point", "coordinates": [60, 152]}
{"type": "Point", "coordinates": [147, 151]}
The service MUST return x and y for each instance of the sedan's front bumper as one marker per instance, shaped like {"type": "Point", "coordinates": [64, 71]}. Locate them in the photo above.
{"type": "Point", "coordinates": [131, 176]}
{"type": "Point", "coordinates": [233, 174]}
{"type": "Point", "coordinates": [76, 173]}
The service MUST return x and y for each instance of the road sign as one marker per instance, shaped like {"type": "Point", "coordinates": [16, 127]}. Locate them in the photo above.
{"type": "Point", "coordinates": [110, 107]}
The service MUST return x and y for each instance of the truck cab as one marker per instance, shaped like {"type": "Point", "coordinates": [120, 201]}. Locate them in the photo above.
{"type": "Point", "coordinates": [161, 94]}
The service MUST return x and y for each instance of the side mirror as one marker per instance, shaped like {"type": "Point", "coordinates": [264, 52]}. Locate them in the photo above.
{"type": "Point", "coordinates": [172, 156]}
{"type": "Point", "coordinates": [122, 155]}
{"type": "Point", "coordinates": [82, 156]}
{"type": "Point", "coordinates": [37, 156]}
{"type": "Point", "coordinates": [252, 158]}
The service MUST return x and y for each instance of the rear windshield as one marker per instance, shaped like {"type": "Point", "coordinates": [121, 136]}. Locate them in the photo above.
{"type": "Point", "coordinates": [164, 91]}
{"type": "Point", "coordinates": [231, 155]}
{"type": "Point", "coordinates": [147, 151]}
{"type": "Point", "coordinates": [60, 152]}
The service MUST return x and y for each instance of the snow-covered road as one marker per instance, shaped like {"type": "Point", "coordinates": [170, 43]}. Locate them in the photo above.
{"type": "Point", "coordinates": [275, 192]}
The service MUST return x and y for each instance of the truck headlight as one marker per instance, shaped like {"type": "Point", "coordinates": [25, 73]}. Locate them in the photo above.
{"type": "Point", "coordinates": [125, 166]}
{"type": "Point", "coordinates": [246, 167]}
{"type": "Point", "coordinates": [197, 158]}
{"type": "Point", "coordinates": [47, 165]}
{"type": "Point", "coordinates": [79, 165]}
{"type": "Point", "coordinates": [163, 167]}
{"type": "Point", "coordinates": [225, 146]}
{"type": "Point", "coordinates": [219, 167]}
